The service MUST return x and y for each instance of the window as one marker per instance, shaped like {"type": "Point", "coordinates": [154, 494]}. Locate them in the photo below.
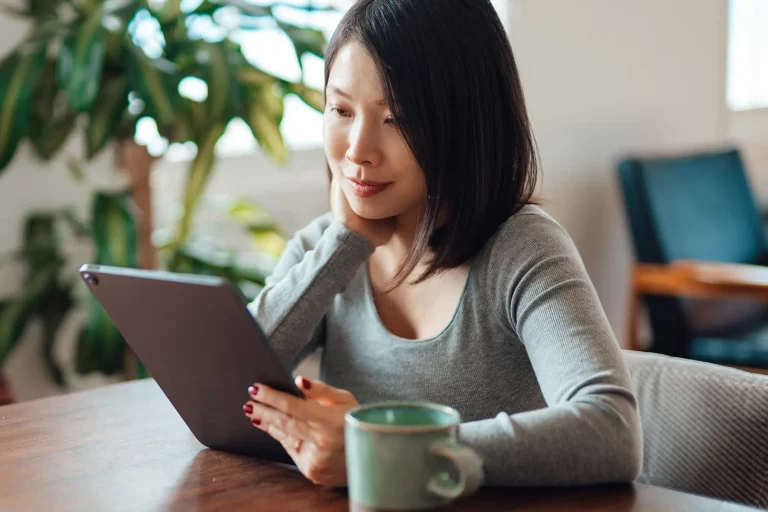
{"type": "Point", "coordinates": [503, 8]}
{"type": "Point", "coordinates": [747, 75]}
{"type": "Point", "coordinates": [301, 125]}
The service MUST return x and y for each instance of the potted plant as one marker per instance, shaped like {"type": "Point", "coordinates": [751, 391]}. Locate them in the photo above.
{"type": "Point", "coordinates": [83, 71]}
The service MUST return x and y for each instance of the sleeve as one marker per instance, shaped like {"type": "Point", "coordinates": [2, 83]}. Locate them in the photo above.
{"type": "Point", "coordinates": [590, 431]}
{"type": "Point", "coordinates": [317, 264]}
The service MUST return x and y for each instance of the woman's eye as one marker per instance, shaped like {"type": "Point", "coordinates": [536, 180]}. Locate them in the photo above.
{"type": "Point", "coordinates": [391, 120]}
{"type": "Point", "coordinates": [340, 112]}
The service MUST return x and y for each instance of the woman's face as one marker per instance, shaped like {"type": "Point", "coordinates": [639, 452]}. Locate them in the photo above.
{"type": "Point", "coordinates": [366, 153]}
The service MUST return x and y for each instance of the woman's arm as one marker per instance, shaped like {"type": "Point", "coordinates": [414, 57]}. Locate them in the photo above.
{"type": "Point", "coordinates": [316, 265]}
{"type": "Point", "coordinates": [590, 432]}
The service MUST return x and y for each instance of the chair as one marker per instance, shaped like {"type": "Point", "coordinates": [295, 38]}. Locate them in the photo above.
{"type": "Point", "coordinates": [705, 427]}
{"type": "Point", "coordinates": [700, 245]}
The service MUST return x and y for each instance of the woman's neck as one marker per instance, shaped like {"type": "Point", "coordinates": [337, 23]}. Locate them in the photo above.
{"type": "Point", "coordinates": [397, 248]}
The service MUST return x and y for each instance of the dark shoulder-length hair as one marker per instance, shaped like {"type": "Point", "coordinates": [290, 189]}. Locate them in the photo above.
{"type": "Point", "coordinates": [452, 84]}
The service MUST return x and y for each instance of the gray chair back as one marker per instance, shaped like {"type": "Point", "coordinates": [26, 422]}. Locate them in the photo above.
{"type": "Point", "coordinates": [705, 427]}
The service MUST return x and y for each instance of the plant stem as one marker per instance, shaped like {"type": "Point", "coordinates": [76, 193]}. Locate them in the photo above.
{"type": "Point", "coordinates": [134, 159]}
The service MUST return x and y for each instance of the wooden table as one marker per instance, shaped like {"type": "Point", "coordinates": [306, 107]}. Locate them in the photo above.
{"type": "Point", "coordinates": [124, 447]}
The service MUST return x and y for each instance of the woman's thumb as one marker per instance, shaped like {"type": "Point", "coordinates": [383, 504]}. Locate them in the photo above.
{"type": "Point", "coordinates": [321, 392]}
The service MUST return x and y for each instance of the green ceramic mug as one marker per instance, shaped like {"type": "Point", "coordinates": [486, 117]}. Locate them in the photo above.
{"type": "Point", "coordinates": [401, 455]}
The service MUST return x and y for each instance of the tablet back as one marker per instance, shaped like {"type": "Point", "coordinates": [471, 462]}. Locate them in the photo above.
{"type": "Point", "coordinates": [202, 346]}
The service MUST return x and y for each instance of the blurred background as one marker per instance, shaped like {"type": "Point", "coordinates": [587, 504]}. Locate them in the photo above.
{"type": "Point", "coordinates": [185, 134]}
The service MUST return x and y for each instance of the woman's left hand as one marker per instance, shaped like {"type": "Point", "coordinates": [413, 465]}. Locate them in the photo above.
{"type": "Point", "coordinates": [311, 430]}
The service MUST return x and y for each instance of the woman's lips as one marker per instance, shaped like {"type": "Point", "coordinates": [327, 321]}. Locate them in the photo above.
{"type": "Point", "coordinates": [366, 188]}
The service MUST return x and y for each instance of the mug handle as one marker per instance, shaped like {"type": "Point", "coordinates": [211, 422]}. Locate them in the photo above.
{"type": "Point", "coordinates": [470, 467]}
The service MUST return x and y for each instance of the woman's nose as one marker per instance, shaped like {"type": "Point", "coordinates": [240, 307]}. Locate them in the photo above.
{"type": "Point", "coordinates": [363, 149]}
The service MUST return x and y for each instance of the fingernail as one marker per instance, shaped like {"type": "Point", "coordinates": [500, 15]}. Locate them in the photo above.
{"type": "Point", "coordinates": [252, 390]}
{"type": "Point", "coordinates": [248, 408]}
{"type": "Point", "coordinates": [255, 422]}
{"type": "Point", "coordinates": [305, 383]}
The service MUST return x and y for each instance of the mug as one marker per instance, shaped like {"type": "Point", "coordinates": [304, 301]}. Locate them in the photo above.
{"type": "Point", "coordinates": [402, 455]}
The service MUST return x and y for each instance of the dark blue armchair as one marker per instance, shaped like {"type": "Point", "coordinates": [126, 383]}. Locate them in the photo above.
{"type": "Point", "coordinates": [701, 248]}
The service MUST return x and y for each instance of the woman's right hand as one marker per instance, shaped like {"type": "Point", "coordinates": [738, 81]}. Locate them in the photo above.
{"type": "Point", "coordinates": [378, 232]}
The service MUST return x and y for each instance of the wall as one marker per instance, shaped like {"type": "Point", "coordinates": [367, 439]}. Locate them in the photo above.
{"type": "Point", "coordinates": [602, 78]}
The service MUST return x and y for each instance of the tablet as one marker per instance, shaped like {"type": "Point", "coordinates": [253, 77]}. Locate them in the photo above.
{"type": "Point", "coordinates": [202, 346]}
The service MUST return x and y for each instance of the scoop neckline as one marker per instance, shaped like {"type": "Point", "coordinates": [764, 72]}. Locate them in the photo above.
{"type": "Point", "coordinates": [368, 290]}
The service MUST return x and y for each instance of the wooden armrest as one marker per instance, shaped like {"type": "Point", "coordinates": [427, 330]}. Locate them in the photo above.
{"type": "Point", "coordinates": [702, 279]}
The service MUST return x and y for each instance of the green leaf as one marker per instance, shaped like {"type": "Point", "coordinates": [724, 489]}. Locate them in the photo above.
{"type": "Point", "coordinates": [55, 304]}
{"type": "Point", "coordinates": [218, 75]}
{"type": "Point", "coordinates": [156, 82]}
{"type": "Point", "coordinates": [51, 136]}
{"type": "Point", "coordinates": [264, 114]}
{"type": "Point", "coordinates": [205, 251]}
{"type": "Point", "coordinates": [171, 10]}
{"type": "Point", "coordinates": [78, 227]}
{"type": "Point", "coordinates": [267, 241]}
{"type": "Point", "coordinates": [50, 329]}
{"type": "Point", "coordinates": [41, 111]}
{"type": "Point", "coordinates": [100, 347]}
{"type": "Point", "coordinates": [14, 315]}
{"type": "Point", "coordinates": [47, 30]}
{"type": "Point", "coordinates": [81, 60]}
{"type": "Point", "coordinates": [18, 79]}
{"type": "Point", "coordinates": [45, 92]}
{"type": "Point", "coordinates": [105, 117]}
{"type": "Point", "coordinates": [75, 169]}
{"type": "Point", "coordinates": [50, 299]}
{"type": "Point", "coordinates": [49, 127]}
{"type": "Point", "coordinates": [179, 47]}
{"type": "Point", "coordinates": [311, 97]}
{"type": "Point", "coordinates": [81, 7]}
{"type": "Point", "coordinates": [41, 242]}
{"type": "Point", "coordinates": [125, 10]}
{"type": "Point", "coordinates": [206, 260]}
{"type": "Point", "coordinates": [305, 40]}
{"type": "Point", "coordinates": [250, 76]}
{"type": "Point", "coordinates": [191, 121]}
{"type": "Point", "coordinates": [263, 230]}
{"type": "Point", "coordinates": [244, 7]}
{"type": "Point", "coordinates": [206, 7]}
{"type": "Point", "coordinates": [197, 178]}
{"type": "Point", "coordinates": [250, 213]}
{"type": "Point", "coordinates": [114, 229]}
{"type": "Point", "coordinates": [199, 172]}
{"type": "Point", "coordinates": [8, 336]}
{"type": "Point", "coordinates": [13, 99]}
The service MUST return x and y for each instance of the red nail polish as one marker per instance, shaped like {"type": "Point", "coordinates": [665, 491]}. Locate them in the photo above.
{"type": "Point", "coordinates": [252, 390]}
{"type": "Point", "coordinates": [255, 422]}
{"type": "Point", "coordinates": [248, 408]}
{"type": "Point", "coordinates": [305, 383]}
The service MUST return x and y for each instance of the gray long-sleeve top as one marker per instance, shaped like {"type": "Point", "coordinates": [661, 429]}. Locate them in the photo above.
{"type": "Point", "coordinates": [529, 359]}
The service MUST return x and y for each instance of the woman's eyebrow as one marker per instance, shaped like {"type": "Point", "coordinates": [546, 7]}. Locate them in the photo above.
{"type": "Point", "coordinates": [340, 92]}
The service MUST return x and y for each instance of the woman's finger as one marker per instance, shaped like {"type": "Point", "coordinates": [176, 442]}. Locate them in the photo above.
{"type": "Point", "coordinates": [266, 418]}
{"type": "Point", "coordinates": [291, 444]}
{"type": "Point", "coordinates": [289, 404]}
{"type": "Point", "coordinates": [321, 392]}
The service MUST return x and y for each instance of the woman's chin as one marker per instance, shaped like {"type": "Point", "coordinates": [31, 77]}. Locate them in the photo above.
{"type": "Point", "coordinates": [365, 210]}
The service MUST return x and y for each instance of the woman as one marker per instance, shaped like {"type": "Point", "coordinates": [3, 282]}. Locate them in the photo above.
{"type": "Point", "coordinates": [433, 277]}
